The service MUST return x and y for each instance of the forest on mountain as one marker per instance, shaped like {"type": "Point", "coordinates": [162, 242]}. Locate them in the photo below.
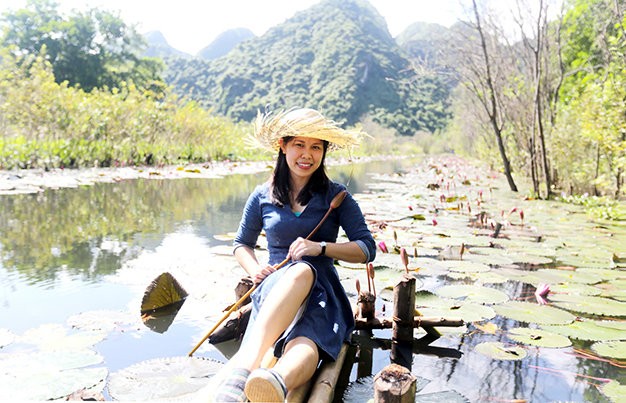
{"type": "Point", "coordinates": [337, 56]}
{"type": "Point", "coordinates": [538, 94]}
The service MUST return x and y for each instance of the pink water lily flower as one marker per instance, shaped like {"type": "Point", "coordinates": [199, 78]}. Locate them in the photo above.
{"type": "Point", "coordinates": [383, 247]}
{"type": "Point", "coordinates": [541, 292]}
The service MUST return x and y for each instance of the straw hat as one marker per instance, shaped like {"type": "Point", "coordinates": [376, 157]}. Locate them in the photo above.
{"type": "Point", "coordinates": [302, 122]}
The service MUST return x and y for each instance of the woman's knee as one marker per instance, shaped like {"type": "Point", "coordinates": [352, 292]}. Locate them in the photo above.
{"type": "Point", "coordinates": [302, 273]}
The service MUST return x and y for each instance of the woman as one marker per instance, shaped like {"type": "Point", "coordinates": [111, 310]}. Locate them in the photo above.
{"type": "Point", "coordinates": [301, 309]}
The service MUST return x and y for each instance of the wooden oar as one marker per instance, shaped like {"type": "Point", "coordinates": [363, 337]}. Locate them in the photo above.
{"type": "Point", "coordinates": [335, 203]}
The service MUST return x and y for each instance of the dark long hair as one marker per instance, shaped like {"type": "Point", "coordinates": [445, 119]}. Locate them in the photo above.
{"type": "Point", "coordinates": [280, 185]}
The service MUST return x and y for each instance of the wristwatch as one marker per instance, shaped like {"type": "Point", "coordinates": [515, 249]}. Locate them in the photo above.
{"type": "Point", "coordinates": [323, 245]}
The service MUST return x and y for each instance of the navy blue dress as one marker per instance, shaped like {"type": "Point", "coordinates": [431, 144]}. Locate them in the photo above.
{"type": "Point", "coordinates": [328, 318]}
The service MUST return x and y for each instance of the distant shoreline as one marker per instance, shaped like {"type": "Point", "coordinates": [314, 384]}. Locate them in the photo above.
{"type": "Point", "coordinates": [30, 181]}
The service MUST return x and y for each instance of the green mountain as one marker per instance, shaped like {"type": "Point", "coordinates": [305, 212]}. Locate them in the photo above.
{"type": "Point", "coordinates": [336, 56]}
{"type": "Point", "coordinates": [158, 47]}
{"type": "Point", "coordinates": [224, 43]}
{"type": "Point", "coordinates": [427, 45]}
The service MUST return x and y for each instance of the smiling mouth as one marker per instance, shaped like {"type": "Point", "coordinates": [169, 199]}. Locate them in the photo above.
{"type": "Point", "coordinates": [304, 165]}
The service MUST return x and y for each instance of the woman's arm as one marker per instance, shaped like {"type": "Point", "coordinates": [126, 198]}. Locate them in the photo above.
{"type": "Point", "coordinates": [346, 251]}
{"type": "Point", "coordinates": [247, 259]}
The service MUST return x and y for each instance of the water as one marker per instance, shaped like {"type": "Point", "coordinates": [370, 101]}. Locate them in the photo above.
{"type": "Point", "coordinates": [70, 251]}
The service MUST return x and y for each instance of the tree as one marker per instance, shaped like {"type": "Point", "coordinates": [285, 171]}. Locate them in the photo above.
{"type": "Point", "coordinates": [91, 49]}
{"type": "Point", "coordinates": [593, 93]}
{"type": "Point", "coordinates": [484, 59]}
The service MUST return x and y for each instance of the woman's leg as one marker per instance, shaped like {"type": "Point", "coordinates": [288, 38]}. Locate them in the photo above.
{"type": "Point", "coordinates": [298, 363]}
{"type": "Point", "coordinates": [276, 314]}
{"type": "Point", "coordinates": [295, 367]}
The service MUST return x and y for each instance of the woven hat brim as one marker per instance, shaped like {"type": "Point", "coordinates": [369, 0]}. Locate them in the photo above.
{"type": "Point", "coordinates": [270, 128]}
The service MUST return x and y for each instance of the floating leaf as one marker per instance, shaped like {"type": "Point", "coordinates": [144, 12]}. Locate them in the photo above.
{"type": "Point", "coordinates": [614, 390]}
{"type": "Point", "coordinates": [469, 312]}
{"type": "Point", "coordinates": [574, 289]}
{"type": "Point", "coordinates": [538, 337]}
{"type": "Point", "coordinates": [226, 237]}
{"type": "Point", "coordinates": [474, 293]}
{"type": "Point", "coordinates": [499, 351]}
{"type": "Point", "coordinates": [590, 304]}
{"type": "Point", "coordinates": [448, 396]}
{"type": "Point", "coordinates": [48, 375]}
{"type": "Point", "coordinates": [491, 260]}
{"type": "Point", "coordinates": [56, 337]}
{"type": "Point", "coordinates": [604, 274]}
{"type": "Point", "coordinates": [611, 349]}
{"type": "Point", "coordinates": [614, 289]}
{"type": "Point", "coordinates": [162, 292]}
{"type": "Point", "coordinates": [589, 330]}
{"type": "Point", "coordinates": [162, 378]}
{"type": "Point", "coordinates": [464, 266]}
{"type": "Point", "coordinates": [589, 276]}
{"type": "Point", "coordinates": [47, 384]}
{"type": "Point", "coordinates": [529, 260]}
{"type": "Point", "coordinates": [101, 320]}
{"type": "Point", "coordinates": [534, 313]}
{"type": "Point", "coordinates": [489, 328]}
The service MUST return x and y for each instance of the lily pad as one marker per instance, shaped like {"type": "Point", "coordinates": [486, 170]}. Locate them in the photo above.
{"type": "Point", "coordinates": [431, 305]}
{"type": "Point", "coordinates": [538, 337]}
{"type": "Point", "coordinates": [162, 292]}
{"type": "Point", "coordinates": [499, 351]}
{"type": "Point", "coordinates": [474, 293]}
{"type": "Point", "coordinates": [464, 266]}
{"type": "Point", "coordinates": [574, 289]}
{"type": "Point", "coordinates": [491, 260]}
{"type": "Point", "coordinates": [611, 349]}
{"type": "Point", "coordinates": [614, 390]}
{"type": "Point", "coordinates": [102, 320]}
{"type": "Point", "coordinates": [530, 260]}
{"type": "Point", "coordinates": [588, 330]}
{"type": "Point", "coordinates": [589, 304]}
{"type": "Point", "coordinates": [47, 384]}
{"type": "Point", "coordinates": [488, 277]}
{"type": "Point", "coordinates": [162, 378]}
{"type": "Point", "coordinates": [534, 313]}
{"type": "Point", "coordinates": [614, 289]}
{"type": "Point", "coordinates": [51, 337]}
{"type": "Point", "coordinates": [449, 396]}
{"type": "Point", "coordinates": [48, 375]}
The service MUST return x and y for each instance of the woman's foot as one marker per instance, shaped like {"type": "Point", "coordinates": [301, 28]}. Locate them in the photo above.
{"type": "Point", "coordinates": [231, 389]}
{"type": "Point", "coordinates": [265, 385]}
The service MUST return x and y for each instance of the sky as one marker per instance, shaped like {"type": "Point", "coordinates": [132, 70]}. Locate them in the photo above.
{"type": "Point", "coordinates": [190, 25]}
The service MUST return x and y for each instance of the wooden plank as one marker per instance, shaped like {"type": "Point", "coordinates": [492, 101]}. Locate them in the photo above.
{"type": "Point", "coordinates": [323, 388]}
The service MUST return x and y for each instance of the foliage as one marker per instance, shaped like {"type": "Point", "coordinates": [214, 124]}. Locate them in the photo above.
{"type": "Point", "coordinates": [92, 49]}
{"type": "Point", "coordinates": [336, 56]}
{"type": "Point", "coordinates": [46, 124]}
{"type": "Point", "coordinates": [599, 207]}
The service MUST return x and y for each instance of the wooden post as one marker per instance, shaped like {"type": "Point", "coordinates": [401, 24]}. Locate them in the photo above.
{"type": "Point", "coordinates": [394, 384]}
{"type": "Point", "coordinates": [404, 309]}
{"type": "Point", "coordinates": [366, 356]}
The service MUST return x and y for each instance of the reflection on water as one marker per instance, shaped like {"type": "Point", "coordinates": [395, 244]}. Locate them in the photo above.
{"type": "Point", "coordinates": [61, 252]}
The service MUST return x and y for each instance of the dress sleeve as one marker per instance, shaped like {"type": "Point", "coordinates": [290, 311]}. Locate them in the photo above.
{"type": "Point", "coordinates": [251, 222]}
{"type": "Point", "coordinates": [353, 223]}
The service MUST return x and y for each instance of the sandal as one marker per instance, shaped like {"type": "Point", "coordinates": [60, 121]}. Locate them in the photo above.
{"type": "Point", "coordinates": [231, 389]}
{"type": "Point", "coordinates": [265, 385]}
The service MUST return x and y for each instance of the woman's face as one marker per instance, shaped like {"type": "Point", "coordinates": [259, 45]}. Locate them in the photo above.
{"type": "Point", "coordinates": [304, 155]}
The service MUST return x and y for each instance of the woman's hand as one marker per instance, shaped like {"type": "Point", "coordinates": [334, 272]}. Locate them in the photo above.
{"type": "Point", "coordinates": [302, 247]}
{"type": "Point", "coordinates": [263, 273]}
